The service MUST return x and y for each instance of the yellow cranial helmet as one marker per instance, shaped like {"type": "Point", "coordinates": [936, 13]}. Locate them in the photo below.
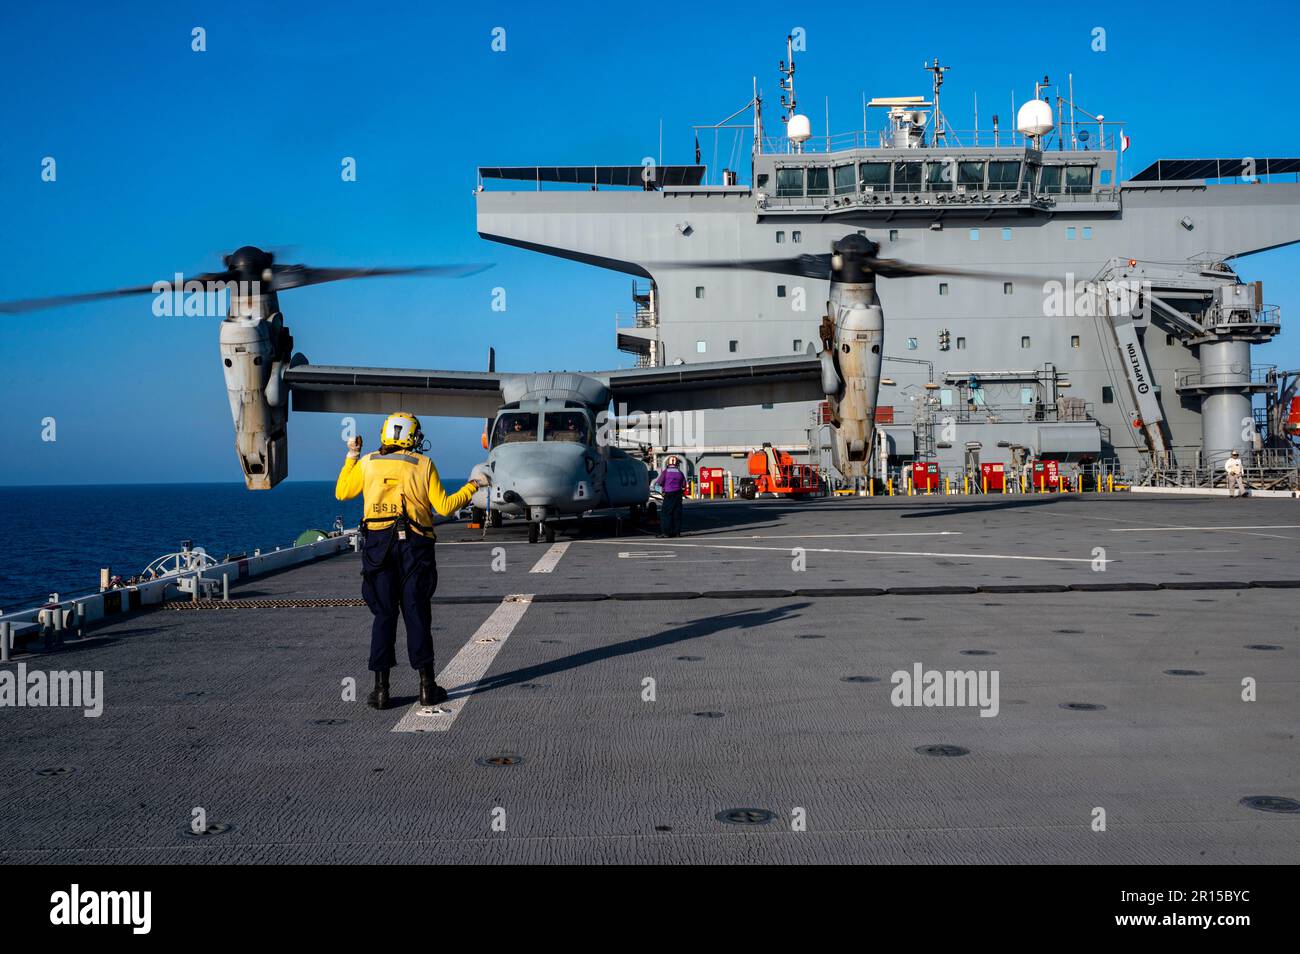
{"type": "Point", "coordinates": [401, 430]}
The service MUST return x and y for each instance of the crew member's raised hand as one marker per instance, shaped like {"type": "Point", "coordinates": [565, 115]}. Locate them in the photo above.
{"type": "Point", "coordinates": [354, 447]}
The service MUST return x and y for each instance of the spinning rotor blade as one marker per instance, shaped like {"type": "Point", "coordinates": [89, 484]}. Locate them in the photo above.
{"type": "Point", "coordinates": [57, 301]}
{"type": "Point", "coordinates": [805, 266]}
{"type": "Point", "coordinates": [820, 266]}
{"type": "Point", "coordinates": [248, 264]}
{"type": "Point", "coordinates": [893, 268]}
{"type": "Point", "coordinates": [296, 276]}
{"type": "Point", "coordinates": [35, 304]}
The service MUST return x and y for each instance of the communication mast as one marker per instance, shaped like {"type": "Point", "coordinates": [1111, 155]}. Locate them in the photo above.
{"type": "Point", "coordinates": [787, 81]}
{"type": "Point", "coordinates": [938, 72]}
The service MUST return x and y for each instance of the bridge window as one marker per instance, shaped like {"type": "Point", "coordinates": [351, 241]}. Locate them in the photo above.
{"type": "Point", "coordinates": [699, 291]}
{"type": "Point", "coordinates": [970, 174]}
{"type": "Point", "coordinates": [819, 181]}
{"type": "Point", "coordinates": [1074, 341]}
{"type": "Point", "coordinates": [1107, 395]}
{"type": "Point", "coordinates": [798, 345]}
{"type": "Point", "coordinates": [568, 426]}
{"type": "Point", "coordinates": [1004, 176]}
{"type": "Point", "coordinates": [733, 345]}
{"type": "Point", "coordinates": [1026, 395]}
{"type": "Point", "coordinates": [780, 237]}
{"type": "Point", "coordinates": [875, 176]}
{"type": "Point", "coordinates": [961, 344]}
{"type": "Point", "coordinates": [796, 236]}
{"type": "Point", "coordinates": [911, 344]}
{"type": "Point", "coordinates": [907, 177]}
{"type": "Point", "coordinates": [938, 176]}
{"type": "Point", "coordinates": [1008, 288]}
{"type": "Point", "coordinates": [974, 235]}
{"type": "Point", "coordinates": [943, 288]}
{"type": "Point", "coordinates": [893, 235]}
{"type": "Point", "coordinates": [846, 182]}
{"type": "Point", "coordinates": [789, 182]}
{"type": "Point", "coordinates": [780, 291]}
{"type": "Point", "coordinates": [1049, 180]}
{"type": "Point", "coordinates": [514, 427]}
{"type": "Point", "coordinates": [700, 347]}
{"type": "Point", "coordinates": [1006, 235]}
{"type": "Point", "coordinates": [1024, 342]}
{"type": "Point", "coordinates": [1070, 233]}
{"type": "Point", "coordinates": [1087, 231]}
{"type": "Point", "coordinates": [1078, 179]}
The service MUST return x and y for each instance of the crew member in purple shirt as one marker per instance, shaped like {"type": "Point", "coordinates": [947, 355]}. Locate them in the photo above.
{"type": "Point", "coordinates": [671, 482]}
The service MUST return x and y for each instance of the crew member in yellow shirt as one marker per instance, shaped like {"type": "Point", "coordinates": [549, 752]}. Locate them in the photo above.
{"type": "Point", "coordinates": [398, 570]}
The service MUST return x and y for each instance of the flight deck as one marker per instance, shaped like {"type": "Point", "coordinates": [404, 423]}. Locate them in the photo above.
{"type": "Point", "coordinates": [726, 696]}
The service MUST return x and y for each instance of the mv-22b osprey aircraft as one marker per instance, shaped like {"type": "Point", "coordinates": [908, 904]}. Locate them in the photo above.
{"type": "Point", "coordinates": [544, 461]}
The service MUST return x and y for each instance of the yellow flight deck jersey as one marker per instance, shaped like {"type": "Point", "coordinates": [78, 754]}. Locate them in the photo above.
{"type": "Point", "coordinates": [389, 480]}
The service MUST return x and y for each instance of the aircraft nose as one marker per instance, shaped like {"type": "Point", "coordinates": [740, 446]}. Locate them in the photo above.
{"type": "Point", "coordinates": [542, 476]}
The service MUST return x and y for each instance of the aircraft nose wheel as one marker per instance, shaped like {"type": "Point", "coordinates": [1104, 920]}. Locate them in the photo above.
{"type": "Point", "coordinates": [533, 531]}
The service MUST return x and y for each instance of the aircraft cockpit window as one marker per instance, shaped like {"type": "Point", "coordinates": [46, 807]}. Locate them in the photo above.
{"type": "Point", "coordinates": [566, 426]}
{"type": "Point", "coordinates": [514, 428]}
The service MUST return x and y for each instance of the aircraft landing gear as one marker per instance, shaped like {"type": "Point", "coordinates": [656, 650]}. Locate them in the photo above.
{"type": "Point", "coordinates": [550, 533]}
{"type": "Point", "coordinates": [534, 531]}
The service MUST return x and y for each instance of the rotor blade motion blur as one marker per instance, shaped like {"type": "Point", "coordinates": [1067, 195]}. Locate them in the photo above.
{"type": "Point", "coordinates": [296, 276]}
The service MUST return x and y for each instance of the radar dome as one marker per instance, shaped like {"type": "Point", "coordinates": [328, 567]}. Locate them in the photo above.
{"type": "Point", "coordinates": [1034, 118]}
{"type": "Point", "coordinates": [799, 128]}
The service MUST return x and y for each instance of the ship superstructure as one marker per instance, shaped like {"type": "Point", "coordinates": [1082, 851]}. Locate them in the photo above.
{"type": "Point", "coordinates": [1118, 333]}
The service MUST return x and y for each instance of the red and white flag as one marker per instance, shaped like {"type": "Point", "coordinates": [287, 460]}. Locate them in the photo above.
{"type": "Point", "coordinates": [1123, 142]}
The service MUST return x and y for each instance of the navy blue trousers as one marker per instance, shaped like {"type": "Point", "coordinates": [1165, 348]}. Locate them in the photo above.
{"type": "Point", "coordinates": [399, 576]}
{"type": "Point", "coordinates": [670, 518]}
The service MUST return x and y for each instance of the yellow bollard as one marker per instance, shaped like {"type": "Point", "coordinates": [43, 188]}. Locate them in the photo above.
{"type": "Point", "coordinates": [947, 486]}
{"type": "Point", "coordinates": [889, 485]}
{"type": "Point", "coordinates": [984, 485]}
{"type": "Point", "coordinates": [1004, 483]}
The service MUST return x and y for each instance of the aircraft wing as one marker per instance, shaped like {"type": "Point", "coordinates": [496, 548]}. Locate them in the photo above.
{"type": "Point", "coordinates": [717, 384]}
{"type": "Point", "coordinates": [347, 390]}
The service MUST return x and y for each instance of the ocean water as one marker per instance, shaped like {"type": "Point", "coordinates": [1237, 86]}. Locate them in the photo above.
{"type": "Point", "coordinates": [55, 539]}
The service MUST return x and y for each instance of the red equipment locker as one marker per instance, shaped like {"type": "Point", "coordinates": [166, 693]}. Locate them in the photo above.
{"type": "Point", "coordinates": [713, 480]}
{"type": "Point", "coordinates": [925, 475]}
{"type": "Point", "coordinates": [1046, 475]}
{"type": "Point", "coordinates": [994, 477]}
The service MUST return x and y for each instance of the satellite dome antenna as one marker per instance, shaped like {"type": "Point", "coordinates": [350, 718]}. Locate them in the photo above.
{"type": "Point", "coordinates": [1034, 118]}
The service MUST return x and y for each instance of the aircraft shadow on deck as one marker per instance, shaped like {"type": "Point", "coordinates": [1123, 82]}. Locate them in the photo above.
{"type": "Point", "coordinates": [707, 626]}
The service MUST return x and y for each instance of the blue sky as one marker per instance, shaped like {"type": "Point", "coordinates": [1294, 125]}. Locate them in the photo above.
{"type": "Point", "coordinates": [168, 158]}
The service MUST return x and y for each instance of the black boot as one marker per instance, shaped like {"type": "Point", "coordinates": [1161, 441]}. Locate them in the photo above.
{"type": "Point", "coordinates": [431, 694]}
{"type": "Point", "coordinates": [378, 698]}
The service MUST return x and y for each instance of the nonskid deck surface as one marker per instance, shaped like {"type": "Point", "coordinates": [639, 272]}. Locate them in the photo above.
{"type": "Point", "coordinates": [618, 715]}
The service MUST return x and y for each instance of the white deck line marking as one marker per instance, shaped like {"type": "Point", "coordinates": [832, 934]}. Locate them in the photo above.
{"type": "Point", "coordinates": [551, 557]}
{"type": "Point", "coordinates": [893, 553]}
{"type": "Point", "coordinates": [1079, 516]}
{"type": "Point", "coordinates": [1279, 526]}
{"type": "Point", "coordinates": [818, 536]}
{"type": "Point", "coordinates": [467, 668]}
